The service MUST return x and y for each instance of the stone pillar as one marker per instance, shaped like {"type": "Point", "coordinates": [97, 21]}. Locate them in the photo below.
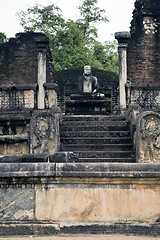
{"type": "Point", "coordinates": [41, 78]}
{"type": "Point", "coordinates": [122, 38]}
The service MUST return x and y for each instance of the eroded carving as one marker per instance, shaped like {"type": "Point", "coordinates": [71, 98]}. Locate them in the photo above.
{"type": "Point", "coordinates": [44, 132]}
{"type": "Point", "coordinates": [149, 138]}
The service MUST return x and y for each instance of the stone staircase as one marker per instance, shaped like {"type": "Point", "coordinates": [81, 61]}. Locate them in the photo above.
{"type": "Point", "coordinates": [97, 138]}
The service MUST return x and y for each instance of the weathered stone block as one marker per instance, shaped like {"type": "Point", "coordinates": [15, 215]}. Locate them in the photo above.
{"type": "Point", "coordinates": [17, 203]}
{"type": "Point", "coordinates": [97, 203]}
{"type": "Point", "coordinates": [64, 157]}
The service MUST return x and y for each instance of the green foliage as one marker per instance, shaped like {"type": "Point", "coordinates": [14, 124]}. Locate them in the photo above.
{"type": "Point", "coordinates": [106, 56]}
{"type": "Point", "coordinates": [90, 14]}
{"type": "Point", "coordinates": [72, 43]}
{"type": "Point", "coordinates": [3, 38]}
{"type": "Point", "coordinates": [46, 19]}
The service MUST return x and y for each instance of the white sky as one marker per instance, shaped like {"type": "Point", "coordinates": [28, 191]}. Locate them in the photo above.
{"type": "Point", "coordinates": [119, 13]}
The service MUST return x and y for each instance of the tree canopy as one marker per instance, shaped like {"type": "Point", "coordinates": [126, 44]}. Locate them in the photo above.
{"type": "Point", "coordinates": [3, 37]}
{"type": "Point", "coordinates": [72, 43]}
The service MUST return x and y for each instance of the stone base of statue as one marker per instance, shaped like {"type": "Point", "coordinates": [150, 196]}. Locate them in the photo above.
{"type": "Point", "coordinates": [88, 104]}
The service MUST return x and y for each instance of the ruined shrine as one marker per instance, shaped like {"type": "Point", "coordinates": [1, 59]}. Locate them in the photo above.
{"type": "Point", "coordinates": [80, 148]}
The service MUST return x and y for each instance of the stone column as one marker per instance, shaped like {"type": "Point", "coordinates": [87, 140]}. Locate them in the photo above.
{"type": "Point", "coordinates": [122, 38]}
{"type": "Point", "coordinates": [41, 78]}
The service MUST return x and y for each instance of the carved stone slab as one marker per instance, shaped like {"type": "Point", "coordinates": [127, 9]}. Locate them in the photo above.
{"type": "Point", "coordinates": [148, 137]}
{"type": "Point", "coordinates": [44, 132]}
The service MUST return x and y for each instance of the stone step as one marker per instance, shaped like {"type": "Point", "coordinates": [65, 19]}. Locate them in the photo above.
{"type": "Point", "coordinates": [96, 147]}
{"type": "Point", "coordinates": [118, 160]}
{"type": "Point", "coordinates": [105, 154]}
{"type": "Point", "coordinates": [94, 134]}
{"type": "Point", "coordinates": [94, 128]}
{"type": "Point", "coordinates": [68, 118]}
{"type": "Point", "coordinates": [96, 141]}
{"type": "Point", "coordinates": [92, 123]}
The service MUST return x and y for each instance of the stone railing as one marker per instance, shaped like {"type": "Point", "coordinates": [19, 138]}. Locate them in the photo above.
{"type": "Point", "coordinates": [18, 97]}
{"type": "Point", "coordinates": [146, 96]}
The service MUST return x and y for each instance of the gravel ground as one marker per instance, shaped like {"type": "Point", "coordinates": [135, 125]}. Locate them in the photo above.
{"type": "Point", "coordinates": [81, 237]}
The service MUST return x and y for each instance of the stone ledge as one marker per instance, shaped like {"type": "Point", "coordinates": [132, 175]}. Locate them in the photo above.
{"type": "Point", "coordinates": [100, 170]}
{"type": "Point", "coordinates": [26, 158]}
{"type": "Point", "coordinates": [28, 228]}
{"type": "Point", "coordinates": [13, 138]}
{"type": "Point", "coordinates": [45, 228]}
{"type": "Point", "coordinates": [27, 169]}
{"type": "Point", "coordinates": [19, 115]}
{"type": "Point", "coordinates": [19, 87]}
{"type": "Point", "coordinates": [107, 170]}
{"type": "Point", "coordinates": [58, 157]}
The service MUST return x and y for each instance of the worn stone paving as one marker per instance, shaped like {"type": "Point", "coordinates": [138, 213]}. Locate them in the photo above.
{"type": "Point", "coordinates": [82, 237]}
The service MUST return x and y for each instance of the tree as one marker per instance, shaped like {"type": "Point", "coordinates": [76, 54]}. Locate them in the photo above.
{"type": "Point", "coordinates": [90, 14]}
{"type": "Point", "coordinates": [72, 43]}
{"type": "Point", "coordinates": [3, 38]}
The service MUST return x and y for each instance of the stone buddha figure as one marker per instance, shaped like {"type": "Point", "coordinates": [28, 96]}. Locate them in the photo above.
{"type": "Point", "coordinates": [88, 87]}
{"type": "Point", "coordinates": [88, 83]}
{"type": "Point", "coordinates": [88, 99]}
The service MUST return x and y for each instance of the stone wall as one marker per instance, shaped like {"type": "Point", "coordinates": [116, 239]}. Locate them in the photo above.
{"type": "Point", "coordinates": [74, 194]}
{"type": "Point", "coordinates": [144, 47]}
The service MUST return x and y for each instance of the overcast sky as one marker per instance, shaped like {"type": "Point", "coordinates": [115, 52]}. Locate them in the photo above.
{"type": "Point", "coordinates": [118, 12]}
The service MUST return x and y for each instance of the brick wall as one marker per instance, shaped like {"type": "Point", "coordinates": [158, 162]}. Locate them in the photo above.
{"type": "Point", "coordinates": [18, 59]}
{"type": "Point", "coordinates": [144, 45]}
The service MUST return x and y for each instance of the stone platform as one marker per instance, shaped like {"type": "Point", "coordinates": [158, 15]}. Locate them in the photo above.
{"type": "Point", "coordinates": [100, 197]}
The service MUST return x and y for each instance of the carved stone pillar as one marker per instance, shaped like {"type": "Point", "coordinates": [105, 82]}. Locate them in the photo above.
{"type": "Point", "coordinates": [122, 38]}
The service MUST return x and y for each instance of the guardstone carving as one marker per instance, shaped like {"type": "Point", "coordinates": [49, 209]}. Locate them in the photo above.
{"type": "Point", "coordinates": [148, 137]}
{"type": "Point", "coordinates": [44, 132]}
